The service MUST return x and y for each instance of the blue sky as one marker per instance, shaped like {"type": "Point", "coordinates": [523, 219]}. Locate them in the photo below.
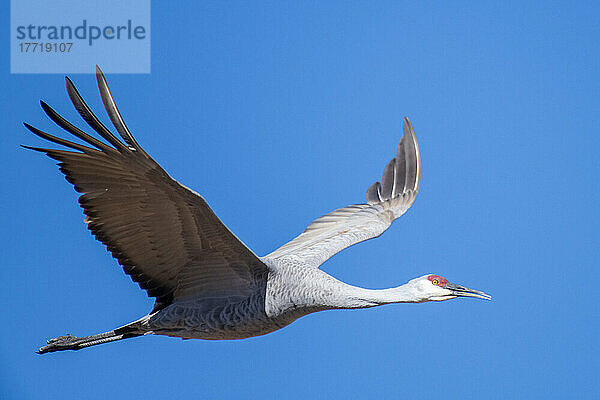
{"type": "Point", "coordinates": [280, 112]}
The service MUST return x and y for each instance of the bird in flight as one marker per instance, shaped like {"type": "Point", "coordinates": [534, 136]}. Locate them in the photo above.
{"type": "Point", "coordinates": [206, 282]}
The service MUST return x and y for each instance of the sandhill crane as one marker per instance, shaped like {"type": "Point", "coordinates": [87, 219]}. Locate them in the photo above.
{"type": "Point", "coordinates": [206, 282]}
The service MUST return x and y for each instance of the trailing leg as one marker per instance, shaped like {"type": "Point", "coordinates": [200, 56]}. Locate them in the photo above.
{"type": "Point", "coordinates": [70, 342]}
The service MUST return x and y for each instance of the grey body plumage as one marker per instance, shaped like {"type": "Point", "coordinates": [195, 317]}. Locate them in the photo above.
{"type": "Point", "coordinates": [206, 282]}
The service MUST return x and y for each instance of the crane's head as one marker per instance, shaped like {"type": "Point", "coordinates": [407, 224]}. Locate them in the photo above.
{"type": "Point", "coordinates": [437, 288]}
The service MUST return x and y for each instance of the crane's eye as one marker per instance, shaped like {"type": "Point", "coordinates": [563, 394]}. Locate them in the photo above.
{"type": "Point", "coordinates": [437, 280]}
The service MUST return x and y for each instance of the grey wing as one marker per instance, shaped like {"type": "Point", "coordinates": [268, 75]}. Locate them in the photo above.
{"type": "Point", "coordinates": [164, 235]}
{"type": "Point", "coordinates": [347, 226]}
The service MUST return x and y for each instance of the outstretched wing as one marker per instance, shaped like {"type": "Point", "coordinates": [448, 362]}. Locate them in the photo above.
{"type": "Point", "coordinates": [347, 226]}
{"type": "Point", "coordinates": [165, 236]}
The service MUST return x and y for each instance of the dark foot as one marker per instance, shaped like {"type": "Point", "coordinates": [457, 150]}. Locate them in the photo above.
{"type": "Point", "coordinates": [68, 342]}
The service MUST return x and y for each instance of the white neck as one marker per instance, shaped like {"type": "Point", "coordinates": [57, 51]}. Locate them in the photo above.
{"type": "Point", "coordinates": [357, 297]}
{"type": "Point", "coordinates": [312, 290]}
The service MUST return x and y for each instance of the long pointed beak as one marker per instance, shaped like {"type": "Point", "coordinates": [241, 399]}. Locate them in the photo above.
{"type": "Point", "coordinates": [461, 291]}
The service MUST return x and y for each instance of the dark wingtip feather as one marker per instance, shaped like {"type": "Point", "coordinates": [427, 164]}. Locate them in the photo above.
{"type": "Point", "coordinates": [413, 158]}
{"type": "Point", "coordinates": [47, 109]}
{"type": "Point", "coordinates": [86, 113]}
{"type": "Point", "coordinates": [113, 112]}
{"type": "Point", "coordinates": [387, 180]}
{"type": "Point", "coordinates": [62, 142]}
{"type": "Point", "coordinates": [66, 125]}
{"type": "Point", "coordinates": [373, 193]}
{"type": "Point", "coordinates": [33, 129]}
{"type": "Point", "coordinates": [401, 173]}
{"type": "Point", "coordinates": [30, 148]}
{"type": "Point", "coordinates": [40, 149]}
